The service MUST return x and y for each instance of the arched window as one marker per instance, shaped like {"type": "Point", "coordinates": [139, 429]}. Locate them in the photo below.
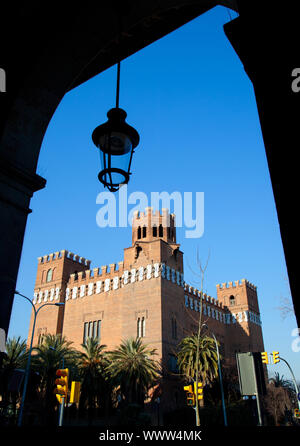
{"type": "Point", "coordinates": [49, 275]}
{"type": "Point", "coordinates": [160, 231]}
{"type": "Point", "coordinates": [231, 300]}
{"type": "Point", "coordinates": [141, 327]}
{"type": "Point", "coordinates": [139, 232]}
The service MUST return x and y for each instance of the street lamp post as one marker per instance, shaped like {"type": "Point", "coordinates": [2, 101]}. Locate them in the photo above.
{"type": "Point", "coordinates": [29, 352]}
{"type": "Point", "coordinates": [220, 376]}
{"type": "Point", "coordinates": [294, 380]}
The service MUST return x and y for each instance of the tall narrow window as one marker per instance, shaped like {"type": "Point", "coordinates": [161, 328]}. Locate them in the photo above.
{"type": "Point", "coordinates": [90, 335]}
{"type": "Point", "coordinates": [139, 232]}
{"type": "Point", "coordinates": [49, 275]}
{"type": "Point", "coordinates": [143, 328]}
{"type": "Point", "coordinates": [231, 300]}
{"type": "Point", "coordinates": [139, 328]}
{"type": "Point", "coordinates": [99, 330]}
{"type": "Point", "coordinates": [161, 233]}
{"type": "Point", "coordinates": [154, 231]}
{"type": "Point", "coordinates": [85, 332]}
{"type": "Point", "coordinates": [95, 329]}
{"type": "Point", "coordinates": [144, 231]}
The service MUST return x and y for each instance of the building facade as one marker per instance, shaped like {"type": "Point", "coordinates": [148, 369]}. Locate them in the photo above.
{"type": "Point", "coordinates": [145, 295]}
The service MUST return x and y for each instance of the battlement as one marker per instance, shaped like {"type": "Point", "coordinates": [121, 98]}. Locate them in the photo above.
{"type": "Point", "coordinates": [64, 254]}
{"type": "Point", "coordinates": [205, 297]}
{"type": "Point", "coordinates": [237, 283]}
{"type": "Point", "coordinates": [152, 226]}
{"type": "Point", "coordinates": [150, 218]}
{"type": "Point", "coordinates": [103, 272]}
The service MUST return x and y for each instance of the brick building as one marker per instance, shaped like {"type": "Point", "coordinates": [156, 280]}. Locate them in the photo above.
{"type": "Point", "coordinates": [144, 295]}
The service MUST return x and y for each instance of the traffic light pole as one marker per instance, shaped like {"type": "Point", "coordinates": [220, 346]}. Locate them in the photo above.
{"type": "Point", "coordinates": [61, 412]}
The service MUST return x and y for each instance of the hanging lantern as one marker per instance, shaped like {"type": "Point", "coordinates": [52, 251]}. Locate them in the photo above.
{"type": "Point", "coordinates": [116, 140]}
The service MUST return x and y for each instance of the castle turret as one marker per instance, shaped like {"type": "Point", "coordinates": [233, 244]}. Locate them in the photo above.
{"type": "Point", "coordinates": [245, 332]}
{"type": "Point", "coordinates": [148, 226]}
{"type": "Point", "coordinates": [53, 274]}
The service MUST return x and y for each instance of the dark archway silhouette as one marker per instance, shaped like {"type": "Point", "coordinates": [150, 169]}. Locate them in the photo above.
{"type": "Point", "coordinates": [51, 52]}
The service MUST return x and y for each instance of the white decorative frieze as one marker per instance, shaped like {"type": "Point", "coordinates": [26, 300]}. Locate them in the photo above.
{"type": "Point", "coordinates": [35, 296]}
{"type": "Point", "coordinates": [156, 269]}
{"type": "Point", "coordinates": [67, 293]}
{"type": "Point", "coordinates": [74, 292]}
{"type": "Point", "coordinates": [133, 274]}
{"type": "Point", "coordinates": [115, 282]}
{"type": "Point", "coordinates": [40, 297]}
{"type": "Point", "coordinates": [82, 290]}
{"type": "Point", "coordinates": [107, 285]}
{"type": "Point", "coordinates": [57, 290]}
{"type": "Point", "coordinates": [186, 301]}
{"type": "Point", "coordinates": [168, 272]}
{"type": "Point", "coordinates": [90, 289]}
{"type": "Point", "coordinates": [149, 272]}
{"type": "Point", "coordinates": [98, 286]}
{"type": "Point", "coordinates": [173, 275]}
{"type": "Point", "coordinates": [141, 273]}
{"type": "Point", "coordinates": [125, 277]}
{"type": "Point", "coordinates": [52, 291]}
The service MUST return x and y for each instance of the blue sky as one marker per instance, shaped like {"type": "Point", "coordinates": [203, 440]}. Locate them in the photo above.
{"type": "Point", "coordinates": [194, 108]}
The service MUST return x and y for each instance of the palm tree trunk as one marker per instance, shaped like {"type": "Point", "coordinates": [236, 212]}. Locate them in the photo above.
{"type": "Point", "coordinates": [202, 271]}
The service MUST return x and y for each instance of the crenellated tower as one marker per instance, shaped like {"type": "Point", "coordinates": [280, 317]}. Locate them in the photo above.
{"type": "Point", "coordinates": [53, 273]}
{"type": "Point", "coordinates": [245, 331]}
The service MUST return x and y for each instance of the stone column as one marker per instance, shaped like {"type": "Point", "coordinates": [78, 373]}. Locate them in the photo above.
{"type": "Point", "coordinates": [17, 186]}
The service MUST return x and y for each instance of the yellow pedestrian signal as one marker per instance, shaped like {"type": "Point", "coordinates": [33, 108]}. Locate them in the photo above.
{"type": "Point", "coordinates": [200, 390]}
{"type": "Point", "coordinates": [61, 389]}
{"type": "Point", "coordinates": [188, 388]}
{"type": "Point", "coordinates": [75, 392]}
{"type": "Point", "coordinates": [264, 357]}
{"type": "Point", "coordinates": [296, 413]}
{"type": "Point", "coordinates": [276, 357]}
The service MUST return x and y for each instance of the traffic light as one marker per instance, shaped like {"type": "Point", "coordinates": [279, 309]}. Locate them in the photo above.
{"type": "Point", "coordinates": [264, 357]}
{"type": "Point", "coordinates": [75, 392]}
{"type": "Point", "coordinates": [276, 357]}
{"type": "Point", "coordinates": [296, 413]}
{"type": "Point", "coordinates": [200, 390]}
{"type": "Point", "coordinates": [61, 389]}
{"type": "Point", "coordinates": [190, 397]}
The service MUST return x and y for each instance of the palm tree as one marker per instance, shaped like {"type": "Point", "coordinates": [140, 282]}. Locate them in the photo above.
{"type": "Point", "coordinates": [208, 359]}
{"type": "Point", "coordinates": [15, 358]}
{"type": "Point", "coordinates": [53, 353]}
{"type": "Point", "coordinates": [92, 364]}
{"type": "Point", "coordinates": [279, 381]}
{"type": "Point", "coordinates": [132, 367]}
